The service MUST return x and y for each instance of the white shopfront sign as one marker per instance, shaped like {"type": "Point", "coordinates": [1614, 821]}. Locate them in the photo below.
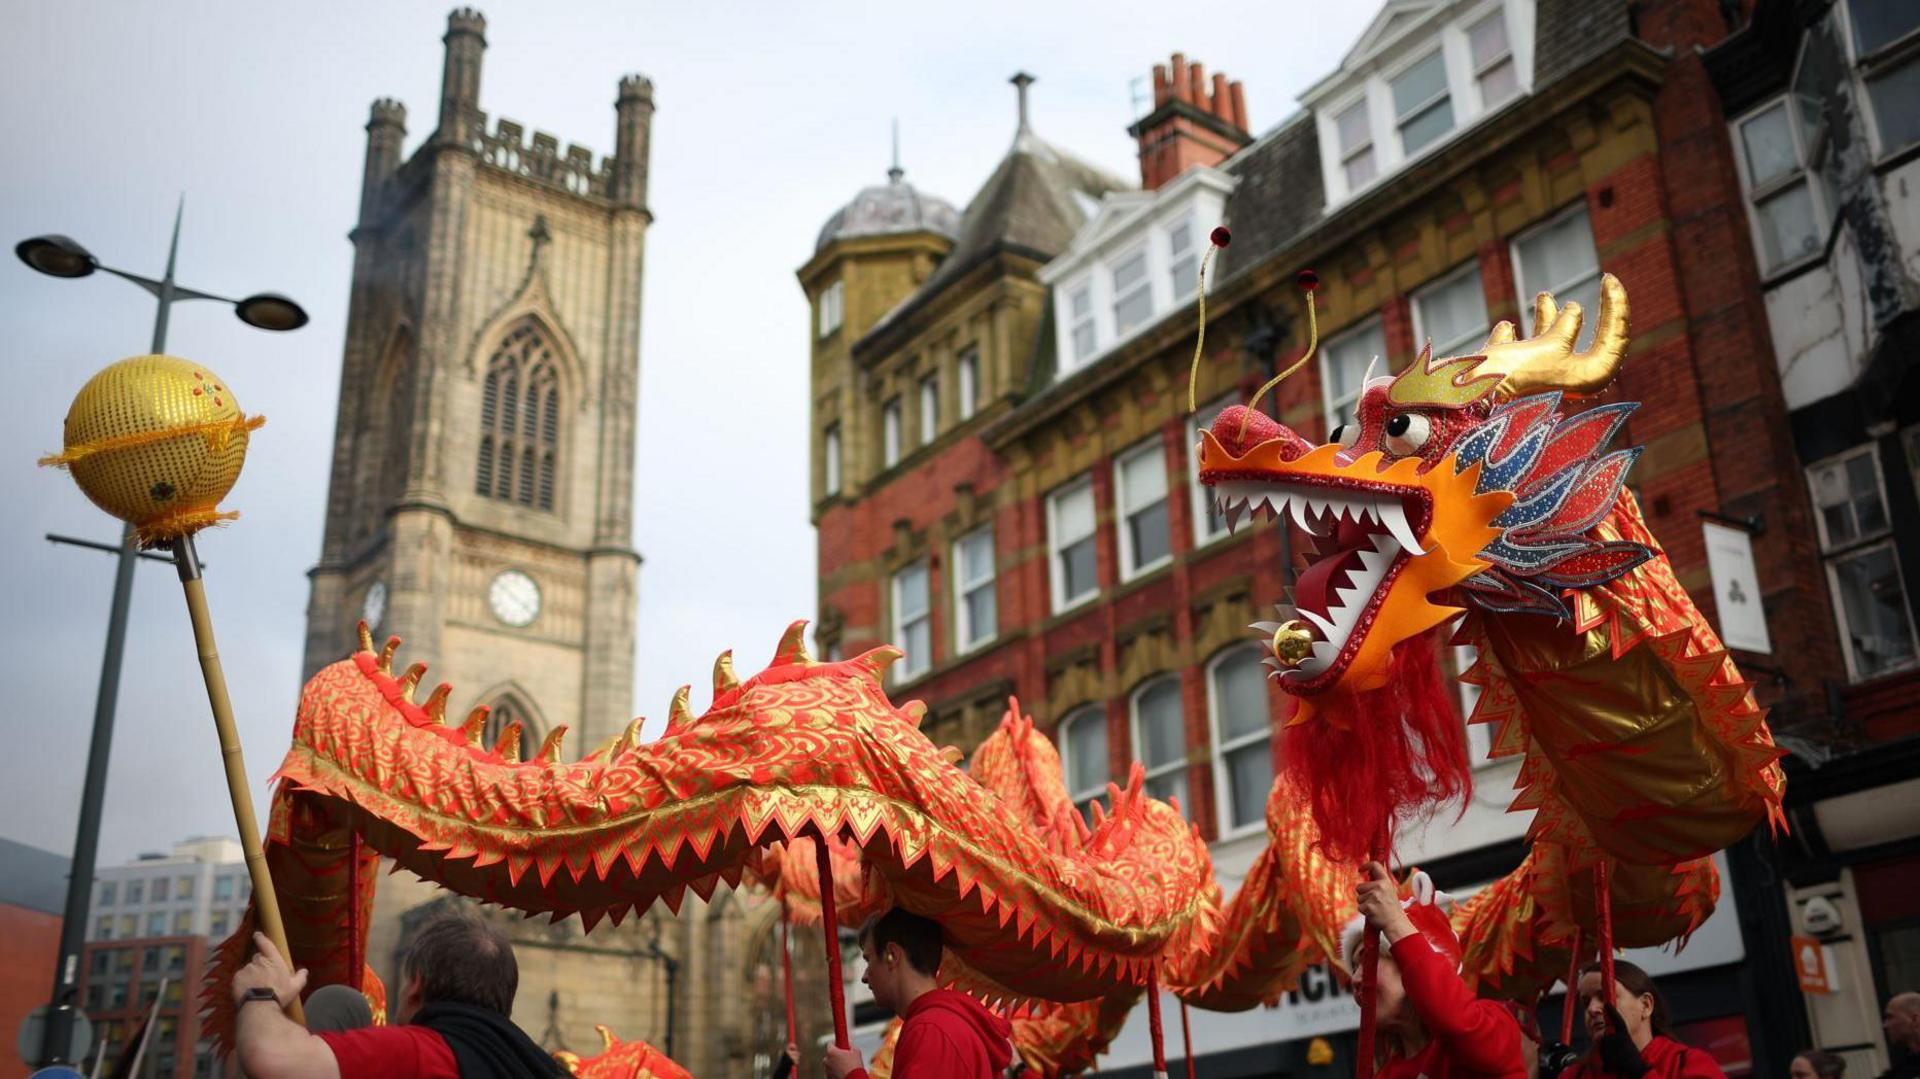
{"type": "Point", "coordinates": [1736, 588]}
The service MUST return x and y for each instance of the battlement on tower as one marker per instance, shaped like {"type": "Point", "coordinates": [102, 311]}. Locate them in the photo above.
{"type": "Point", "coordinates": [509, 148]}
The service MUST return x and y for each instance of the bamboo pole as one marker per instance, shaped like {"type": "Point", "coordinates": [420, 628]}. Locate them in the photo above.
{"type": "Point", "coordinates": [186, 560]}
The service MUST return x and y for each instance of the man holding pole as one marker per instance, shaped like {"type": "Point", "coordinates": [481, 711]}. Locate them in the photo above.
{"type": "Point", "coordinates": [945, 1034]}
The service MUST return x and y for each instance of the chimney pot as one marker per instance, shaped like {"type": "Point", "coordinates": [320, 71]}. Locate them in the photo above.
{"type": "Point", "coordinates": [1239, 105]}
{"type": "Point", "coordinates": [1197, 90]}
{"type": "Point", "coordinates": [1161, 89]}
{"type": "Point", "coordinates": [1222, 101]}
{"type": "Point", "coordinates": [1179, 73]}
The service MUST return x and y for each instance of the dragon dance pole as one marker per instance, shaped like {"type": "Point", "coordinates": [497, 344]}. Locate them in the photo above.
{"type": "Point", "coordinates": [186, 560]}
{"type": "Point", "coordinates": [1153, 1024]}
{"type": "Point", "coordinates": [1186, 1037]}
{"type": "Point", "coordinates": [1573, 991]}
{"type": "Point", "coordinates": [829, 920]}
{"type": "Point", "coordinates": [1370, 969]}
{"type": "Point", "coordinates": [1603, 914]}
{"type": "Point", "coordinates": [786, 971]}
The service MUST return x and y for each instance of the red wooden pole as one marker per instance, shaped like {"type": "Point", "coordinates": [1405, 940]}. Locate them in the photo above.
{"type": "Point", "coordinates": [830, 922]}
{"type": "Point", "coordinates": [786, 971]}
{"type": "Point", "coordinates": [1186, 1038]}
{"type": "Point", "coordinates": [1370, 967]}
{"type": "Point", "coordinates": [1603, 908]}
{"type": "Point", "coordinates": [1153, 1024]}
{"type": "Point", "coordinates": [1573, 991]}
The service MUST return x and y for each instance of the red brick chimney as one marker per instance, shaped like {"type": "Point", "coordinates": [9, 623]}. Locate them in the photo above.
{"type": "Point", "coordinates": [1191, 123]}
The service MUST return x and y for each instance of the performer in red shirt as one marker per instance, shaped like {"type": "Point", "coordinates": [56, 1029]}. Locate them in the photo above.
{"type": "Point", "coordinates": [1429, 1023]}
{"type": "Point", "coordinates": [1636, 1044]}
{"type": "Point", "coordinates": [459, 979]}
{"type": "Point", "coordinates": [944, 1034]}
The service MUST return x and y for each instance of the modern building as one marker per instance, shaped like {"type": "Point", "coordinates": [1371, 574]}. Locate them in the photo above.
{"type": "Point", "coordinates": [153, 925]}
{"type": "Point", "coordinates": [200, 889]}
{"type": "Point", "coordinates": [33, 901]}
{"type": "Point", "coordinates": [1822, 102]}
{"type": "Point", "coordinates": [1003, 478]}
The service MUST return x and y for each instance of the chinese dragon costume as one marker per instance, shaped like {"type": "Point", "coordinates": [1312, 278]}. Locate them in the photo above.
{"type": "Point", "coordinates": [1464, 490]}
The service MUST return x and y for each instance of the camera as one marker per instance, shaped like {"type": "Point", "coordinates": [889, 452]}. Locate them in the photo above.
{"type": "Point", "coordinates": [1556, 1057]}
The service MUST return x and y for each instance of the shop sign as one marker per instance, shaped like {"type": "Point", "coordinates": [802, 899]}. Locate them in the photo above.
{"type": "Point", "coordinates": [1810, 963]}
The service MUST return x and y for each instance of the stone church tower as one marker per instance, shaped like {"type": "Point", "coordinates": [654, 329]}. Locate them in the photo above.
{"type": "Point", "coordinates": [481, 497]}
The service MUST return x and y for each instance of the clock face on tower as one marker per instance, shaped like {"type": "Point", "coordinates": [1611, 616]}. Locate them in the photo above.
{"type": "Point", "coordinates": [514, 597]}
{"type": "Point", "coordinates": [374, 607]}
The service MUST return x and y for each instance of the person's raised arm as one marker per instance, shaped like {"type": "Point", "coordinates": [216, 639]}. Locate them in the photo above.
{"type": "Point", "coordinates": [270, 1045]}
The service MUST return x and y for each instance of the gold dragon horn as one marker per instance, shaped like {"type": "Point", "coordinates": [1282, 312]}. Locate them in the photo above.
{"type": "Point", "coordinates": [386, 654]}
{"type": "Point", "coordinates": [1547, 361]}
{"type": "Point", "coordinates": [680, 713]}
{"type": "Point", "coordinates": [723, 677]}
{"type": "Point", "coordinates": [507, 746]}
{"type": "Point", "coordinates": [550, 749]}
{"type": "Point", "coordinates": [366, 637]}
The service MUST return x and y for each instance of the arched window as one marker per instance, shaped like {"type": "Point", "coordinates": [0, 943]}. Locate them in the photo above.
{"type": "Point", "coordinates": [520, 421]}
{"type": "Point", "coordinates": [510, 709]}
{"type": "Point", "coordinates": [1083, 755]}
{"type": "Point", "coordinates": [1237, 706]}
{"type": "Point", "coordinates": [1160, 739]}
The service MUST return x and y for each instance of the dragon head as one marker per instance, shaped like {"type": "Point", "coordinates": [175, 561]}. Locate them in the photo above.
{"type": "Point", "coordinates": [1458, 480]}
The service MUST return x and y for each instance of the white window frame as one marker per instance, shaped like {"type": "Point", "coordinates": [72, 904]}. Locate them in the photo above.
{"type": "Point", "coordinates": [1056, 576]}
{"type": "Point", "coordinates": [1802, 174]}
{"type": "Point", "coordinates": [1896, 54]}
{"type": "Point", "coordinates": [890, 433]}
{"type": "Point", "coordinates": [1122, 510]}
{"type": "Point", "coordinates": [1527, 289]}
{"type": "Point", "coordinates": [1832, 554]}
{"type": "Point", "coordinates": [1347, 155]}
{"type": "Point", "coordinates": [1094, 713]}
{"type": "Point", "coordinates": [1446, 95]}
{"type": "Point", "coordinates": [832, 309]}
{"type": "Point", "coordinates": [1420, 330]}
{"type": "Point", "coordinates": [929, 408]}
{"type": "Point", "coordinates": [1198, 496]}
{"type": "Point", "coordinates": [902, 621]}
{"type": "Point", "coordinates": [830, 459]}
{"type": "Point", "coordinates": [1143, 287]}
{"type": "Point", "coordinates": [967, 374]}
{"type": "Point", "coordinates": [1192, 254]}
{"type": "Point", "coordinates": [1328, 403]}
{"type": "Point", "coordinates": [1478, 72]}
{"type": "Point", "coordinates": [1222, 781]}
{"type": "Point", "coordinates": [1090, 322]}
{"type": "Point", "coordinates": [1177, 767]}
{"type": "Point", "coordinates": [963, 627]}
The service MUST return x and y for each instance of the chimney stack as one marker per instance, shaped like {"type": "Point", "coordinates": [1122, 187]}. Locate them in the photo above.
{"type": "Point", "coordinates": [1191, 124]}
{"type": "Point", "coordinates": [466, 42]}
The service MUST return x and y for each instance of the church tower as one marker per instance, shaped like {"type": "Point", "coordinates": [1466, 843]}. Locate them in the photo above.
{"type": "Point", "coordinates": [481, 496]}
{"type": "Point", "coordinates": [480, 504]}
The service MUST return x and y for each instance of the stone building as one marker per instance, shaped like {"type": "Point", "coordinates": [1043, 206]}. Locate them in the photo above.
{"type": "Point", "coordinates": [1003, 476]}
{"type": "Point", "coordinates": [480, 504]}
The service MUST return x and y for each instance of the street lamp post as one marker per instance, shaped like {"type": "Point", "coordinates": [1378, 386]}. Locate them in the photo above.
{"type": "Point", "coordinates": [59, 256]}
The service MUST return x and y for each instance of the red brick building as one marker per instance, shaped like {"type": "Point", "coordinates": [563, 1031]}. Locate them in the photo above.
{"type": "Point", "coordinates": [33, 894]}
{"type": "Point", "coordinates": [1003, 466]}
{"type": "Point", "coordinates": [119, 985]}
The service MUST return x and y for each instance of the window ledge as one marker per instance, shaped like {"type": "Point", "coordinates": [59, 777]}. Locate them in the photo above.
{"type": "Point", "coordinates": [1149, 569]}
{"type": "Point", "coordinates": [1799, 267]}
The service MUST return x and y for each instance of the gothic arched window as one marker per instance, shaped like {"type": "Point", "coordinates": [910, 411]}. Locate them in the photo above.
{"type": "Point", "coordinates": [520, 421]}
{"type": "Point", "coordinates": [508, 709]}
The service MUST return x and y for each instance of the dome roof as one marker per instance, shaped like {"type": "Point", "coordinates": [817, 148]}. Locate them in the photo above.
{"type": "Point", "coordinates": [895, 206]}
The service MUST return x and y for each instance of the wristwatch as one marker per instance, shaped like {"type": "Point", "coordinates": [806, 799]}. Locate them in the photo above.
{"type": "Point", "coordinates": [259, 992]}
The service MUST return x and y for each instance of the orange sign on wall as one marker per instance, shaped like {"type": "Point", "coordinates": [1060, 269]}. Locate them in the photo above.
{"type": "Point", "coordinates": [1810, 963]}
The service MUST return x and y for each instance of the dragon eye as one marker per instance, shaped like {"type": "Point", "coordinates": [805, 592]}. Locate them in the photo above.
{"type": "Point", "coordinates": [1345, 434]}
{"type": "Point", "coordinates": [1407, 433]}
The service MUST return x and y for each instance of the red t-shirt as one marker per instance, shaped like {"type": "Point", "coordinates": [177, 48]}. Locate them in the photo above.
{"type": "Point", "coordinates": [1467, 1038]}
{"type": "Point", "coordinates": [398, 1052]}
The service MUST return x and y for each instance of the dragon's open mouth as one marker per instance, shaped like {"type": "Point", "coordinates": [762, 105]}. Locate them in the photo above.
{"type": "Point", "coordinates": [1358, 540]}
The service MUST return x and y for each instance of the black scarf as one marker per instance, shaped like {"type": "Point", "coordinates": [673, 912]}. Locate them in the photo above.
{"type": "Point", "coordinates": [486, 1044]}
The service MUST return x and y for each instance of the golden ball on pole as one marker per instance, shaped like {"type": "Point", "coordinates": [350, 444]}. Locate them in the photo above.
{"type": "Point", "coordinates": [157, 441]}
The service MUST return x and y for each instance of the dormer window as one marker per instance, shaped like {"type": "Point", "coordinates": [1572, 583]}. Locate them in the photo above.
{"type": "Point", "coordinates": [1422, 73]}
{"type": "Point", "coordinates": [1356, 145]}
{"type": "Point", "coordinates": [1422, 108]}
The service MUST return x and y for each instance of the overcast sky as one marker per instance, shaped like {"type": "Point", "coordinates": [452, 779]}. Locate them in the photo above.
{"type": "Point", "coordinates": [770, 116]}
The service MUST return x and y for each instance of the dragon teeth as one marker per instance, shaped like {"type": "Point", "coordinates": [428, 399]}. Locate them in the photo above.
{"type": "Point", "coordinates": [1395, 518]}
